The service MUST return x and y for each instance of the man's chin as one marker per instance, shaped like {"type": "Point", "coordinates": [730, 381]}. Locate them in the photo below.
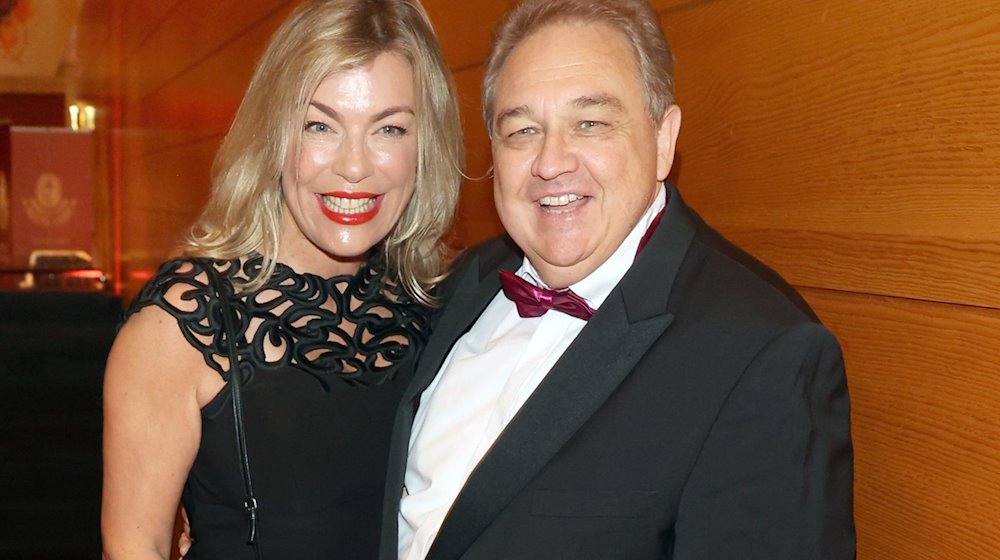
{"type": "Point", "coordinates": [561, 269]}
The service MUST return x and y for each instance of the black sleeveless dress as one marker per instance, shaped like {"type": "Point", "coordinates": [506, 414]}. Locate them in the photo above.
{"type": "Point", "coordinates": [318, 408]}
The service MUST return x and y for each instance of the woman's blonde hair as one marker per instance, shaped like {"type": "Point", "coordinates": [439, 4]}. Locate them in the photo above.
{"type": "Point", "coordinates": [322, 37]}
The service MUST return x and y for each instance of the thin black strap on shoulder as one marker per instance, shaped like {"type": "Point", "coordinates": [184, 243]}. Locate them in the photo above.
{"type": "Point", "coordinates": [250, 503]}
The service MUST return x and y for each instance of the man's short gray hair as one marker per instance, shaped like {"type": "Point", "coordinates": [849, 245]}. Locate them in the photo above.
{"type": "Point", "coordinates": [635, 19]}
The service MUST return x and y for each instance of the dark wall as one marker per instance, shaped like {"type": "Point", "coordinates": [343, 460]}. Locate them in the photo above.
{"type": "Point", "coordinates": [33, 109]}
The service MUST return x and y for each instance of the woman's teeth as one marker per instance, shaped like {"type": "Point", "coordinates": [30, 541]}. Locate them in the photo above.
{"type": "Point", "coordinates": [343, 205]}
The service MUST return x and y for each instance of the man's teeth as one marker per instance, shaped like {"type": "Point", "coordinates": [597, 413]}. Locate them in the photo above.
{"type": "Point", "coordinates": [343, 205]}
{"type": "Point", "coordinates": [561, 200]}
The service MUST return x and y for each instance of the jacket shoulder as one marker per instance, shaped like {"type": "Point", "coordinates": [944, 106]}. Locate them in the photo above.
{"type": "Point", "coordinates": [736, 284]}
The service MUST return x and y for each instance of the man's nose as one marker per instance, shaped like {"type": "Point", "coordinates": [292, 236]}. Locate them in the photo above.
{"type": "Point", "coordinates": [353, 161]}
{"type": "Point", "coordinates": [554, 158]}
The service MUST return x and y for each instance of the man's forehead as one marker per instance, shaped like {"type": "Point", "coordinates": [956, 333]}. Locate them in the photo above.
{"type": "Point", "coordinates": [572, 64]}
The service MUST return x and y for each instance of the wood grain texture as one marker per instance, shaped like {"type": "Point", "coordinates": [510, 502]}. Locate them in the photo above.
{"type": "Point", "coordinates": [141, 20]}
{"type": "Point", "coordinates": [938, 269]}
{"type": "Point", "coordinates": [925, 395]}
{"type": "Point", "coordinates": [465, 28]}
{"type": "Point", "coordinates": [191, 33]}
{"type": "Point", "coordinates": [94, 45]}
{"type": "Point", "coordinates": [201, 102]}
{"type": "Point", "coordinates": [840, 116]}
{"type": "Point", "coordinates": [175, 179]}
{"type": "Point", "coordinates": [878, 113]}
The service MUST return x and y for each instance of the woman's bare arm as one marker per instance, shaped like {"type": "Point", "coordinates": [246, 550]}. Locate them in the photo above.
{"type": "Point", "coordinates": [154, 386]}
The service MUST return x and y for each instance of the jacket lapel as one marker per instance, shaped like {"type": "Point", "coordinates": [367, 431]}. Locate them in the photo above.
{"type": "Point", "coordinates": [475, 285]}
{"type": "Point", "coordinates": [615, 339]}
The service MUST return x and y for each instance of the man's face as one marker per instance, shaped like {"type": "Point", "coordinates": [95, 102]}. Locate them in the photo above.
{"type": "Point", "coordinates": [577, 158]}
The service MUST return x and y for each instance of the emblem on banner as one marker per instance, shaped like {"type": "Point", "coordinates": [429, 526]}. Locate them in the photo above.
{"type": "Point", "coordinates": [48, 208]}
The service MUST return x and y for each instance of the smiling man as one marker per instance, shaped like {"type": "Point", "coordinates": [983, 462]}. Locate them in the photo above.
{"type": "Point", "coordinates": [614, 379]}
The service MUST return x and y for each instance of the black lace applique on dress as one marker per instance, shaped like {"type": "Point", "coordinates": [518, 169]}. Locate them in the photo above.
{"type": "Point", "coordinates": [354, 328]}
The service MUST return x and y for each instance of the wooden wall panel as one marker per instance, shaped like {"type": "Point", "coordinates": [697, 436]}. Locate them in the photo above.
{"type": "Point", "coordinates": [140, 21]}
{"type": "Point", "coordinates": [465, 28]}
{"type": "Point", "coordinates": [94, 45]}
{"type": "Point", "coordinates": [845, 118]}
{"type": "Point", "coordinates": [946, 270]}
{"type": "Point", "coordinates": [192, 32]}
{"type": "Point", "coordinates": [926, 398]}
{"type": "Point", "coordinates": [201, 102]}
{"type": "Point", "coordinates": [157, 215]}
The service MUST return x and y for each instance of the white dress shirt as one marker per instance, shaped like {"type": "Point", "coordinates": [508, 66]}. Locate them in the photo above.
{"type": "Point", "coordinates": [489, 374]}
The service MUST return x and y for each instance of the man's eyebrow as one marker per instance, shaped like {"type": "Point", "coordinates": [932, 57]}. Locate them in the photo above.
{"type": "Point", "coordinates": [603, 100]}
{"type": "Point", "coordinates": [510, 114]}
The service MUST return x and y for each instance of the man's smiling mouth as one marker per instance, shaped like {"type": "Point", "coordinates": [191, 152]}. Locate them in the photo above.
{"type": "Point", "coordinates": [559, 200]}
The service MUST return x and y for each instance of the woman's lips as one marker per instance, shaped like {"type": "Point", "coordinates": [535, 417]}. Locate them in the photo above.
{"type": "Point", "coordinates": [349, 208]}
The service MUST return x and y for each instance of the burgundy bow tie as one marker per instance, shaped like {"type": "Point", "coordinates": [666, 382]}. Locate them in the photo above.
{"type": "Point", "coordinates": [533, 301]}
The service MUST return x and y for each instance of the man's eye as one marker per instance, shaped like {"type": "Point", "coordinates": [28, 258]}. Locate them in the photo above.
{"type": "Point", "coordinates": [522, 132]}
{"type": "Point", "coordinates": [317, 126]}
{"type": "Point", "coordinates": [589, 124]}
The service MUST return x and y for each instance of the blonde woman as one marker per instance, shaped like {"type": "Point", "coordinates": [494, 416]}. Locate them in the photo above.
{"type": "Point", "coordinates": [320, 246]}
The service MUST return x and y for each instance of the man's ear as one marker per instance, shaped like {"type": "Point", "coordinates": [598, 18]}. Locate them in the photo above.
{"type": "Point", "coordinates": [666, 141]}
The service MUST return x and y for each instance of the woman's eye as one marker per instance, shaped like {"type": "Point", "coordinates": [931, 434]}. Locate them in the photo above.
{"type": "Point", "coordinates": [317, 126]}
{"type": "Point", "coordinates": [393, 130]}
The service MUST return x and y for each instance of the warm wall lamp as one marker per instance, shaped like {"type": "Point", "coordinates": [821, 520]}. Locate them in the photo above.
{"type": "Point", "coordinates": [82, 116]}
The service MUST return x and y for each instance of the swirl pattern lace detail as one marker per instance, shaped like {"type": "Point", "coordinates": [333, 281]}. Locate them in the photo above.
{"type": "Point", "coordinates": [354, 328]}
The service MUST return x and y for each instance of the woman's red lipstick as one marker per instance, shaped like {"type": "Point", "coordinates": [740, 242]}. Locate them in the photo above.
{"type": "Point", "coordinates": [348, 214]}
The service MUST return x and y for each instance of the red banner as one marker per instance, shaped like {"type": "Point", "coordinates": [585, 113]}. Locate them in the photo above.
{"type": "Point", "coordinates": [51, 191]}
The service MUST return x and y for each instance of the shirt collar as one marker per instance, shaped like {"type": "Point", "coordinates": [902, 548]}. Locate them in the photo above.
{"type": "Point", "coordinates": [597, 286]}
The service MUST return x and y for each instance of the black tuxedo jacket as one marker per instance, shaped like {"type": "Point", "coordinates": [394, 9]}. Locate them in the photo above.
{"type": "Point", "coordinates": [702, 414]}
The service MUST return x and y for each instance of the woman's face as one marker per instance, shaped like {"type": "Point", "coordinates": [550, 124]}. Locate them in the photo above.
{"type": "Point", "coordinates": [353, 174]}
